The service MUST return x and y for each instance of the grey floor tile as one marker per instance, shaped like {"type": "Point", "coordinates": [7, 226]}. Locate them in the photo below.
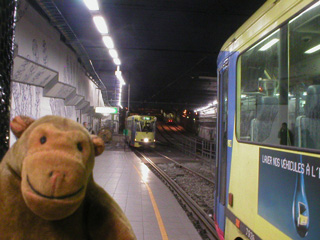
{"type": "Point", "coordinates": [116, 172]}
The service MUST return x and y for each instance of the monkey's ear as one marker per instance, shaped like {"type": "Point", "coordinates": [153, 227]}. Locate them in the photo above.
{"type": "Point", "coordinates": [98, 144]}
{"type": "Point", "coordinates": [19, 124]}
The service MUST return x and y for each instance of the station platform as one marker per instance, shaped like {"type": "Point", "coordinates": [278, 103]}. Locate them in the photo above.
{"type": "Point", "coordinates": [151, 208]}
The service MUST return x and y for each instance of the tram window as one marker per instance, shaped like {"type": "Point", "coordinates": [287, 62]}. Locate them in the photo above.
{"type": "Point", "coordinates": [153, 126]}
{"type": "Point", "coordinates": [259, 104]}
{"type": "Point", "coordinates": [147, 127]}
{"type": "Point", "coordinates": [129, 124]}
{"type": "Point", "coordinates": [137, 126]}
{"type": "Point", "coordinates": [279, 81]}
{"type": "Point", "coordinates": [304, 80]}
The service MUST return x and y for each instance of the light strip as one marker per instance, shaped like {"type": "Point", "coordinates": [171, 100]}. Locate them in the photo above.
{"type": "Point", "coordinates": [92, 5]}
{"type": "Point", "coordinates": [113, 53]}
{"type": "Point", "coordinates": [117, 61]}
{"type": "Point", "coordinates": [118, 74]}
{"type": "Point", "coordinates": [120, 93]}
{"type": "Point", "coordinates": [312, 50]}
{"type": "Point", "coordinates": [269, 44]}
{"type": "Point", "coordinates": [102, 27]}
{"type": "Point", "coordinates": [107, 40]}
{"type": "Point", "coordinates": [214, 103]}
{"type": "Point", "coordinates": [100, 24]}
{"type": "Point", "coordinates": [120, 78]}
{"type": "Point", "coordinates": [265, 40]}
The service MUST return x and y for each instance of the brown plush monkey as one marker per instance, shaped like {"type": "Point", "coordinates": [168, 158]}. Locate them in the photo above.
{"type": "Point", "coordinates": [47, 189]}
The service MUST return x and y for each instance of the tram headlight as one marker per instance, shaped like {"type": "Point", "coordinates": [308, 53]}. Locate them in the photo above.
{"type": "Point", "coordinates": [146, 139]}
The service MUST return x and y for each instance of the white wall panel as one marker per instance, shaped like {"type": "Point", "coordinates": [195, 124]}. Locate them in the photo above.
{"type": "Point", "coordinates": [39, 42]}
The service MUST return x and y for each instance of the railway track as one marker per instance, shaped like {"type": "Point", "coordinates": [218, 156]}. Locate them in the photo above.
{"type": "Point", "coordinates": [186, 168]}
{"type": "Point", "coordinates": [174, 139]}
{"type": "Point", "coordinates": [202, 221]}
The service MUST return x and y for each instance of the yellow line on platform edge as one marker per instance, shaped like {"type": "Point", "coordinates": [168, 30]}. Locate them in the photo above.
{"type": "Point", "coordinates": [155, 208]}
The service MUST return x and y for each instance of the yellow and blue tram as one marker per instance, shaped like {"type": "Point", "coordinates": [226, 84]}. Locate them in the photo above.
{"type": "Point", "coordinates": [268, 144]}
{"type": "Point", "coordinates": [141, 131]}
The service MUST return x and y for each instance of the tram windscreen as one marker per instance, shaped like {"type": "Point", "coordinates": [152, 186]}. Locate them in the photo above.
{"type": "Point", "coordinates": [148, 126]}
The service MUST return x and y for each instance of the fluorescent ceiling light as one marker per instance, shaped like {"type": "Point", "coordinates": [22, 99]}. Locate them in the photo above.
{"type": "Point", "coordinates": [269, 44]}
{"type": "Point", "coordinates": [113, 53]}
{"type": "Point", "coordinates": [120, 78]}
{"type": "Point", "coordinates": [92, 5]}
{"type": "Point", "coordinates": [117, 61]}
{"type": "Point", "coordinates": [312, 50]}
{"type": "Point", "coordinates": [120, 93]}
{"type": "Point", "coordinates": [100, 24]}
{"type": "Point", "coordinates": [274, 34]}
{"type": "Point", "coordinates": [108, 42]}
{"type": "Point", "coordinates": [118, 73]}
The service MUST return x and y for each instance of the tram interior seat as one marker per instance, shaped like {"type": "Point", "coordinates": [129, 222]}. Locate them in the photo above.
{"type": "Point", "coordinates": [261, 126]}
{"type": "Point", "coordinates": [308, 125]}
{"type": "Point", "coordinates": [246, 116]}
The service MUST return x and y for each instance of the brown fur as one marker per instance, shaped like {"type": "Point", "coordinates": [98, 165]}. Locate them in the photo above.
{"type": "Point", "coordinates": [47, 189]}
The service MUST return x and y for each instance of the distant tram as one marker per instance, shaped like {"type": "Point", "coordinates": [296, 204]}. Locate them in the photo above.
{"type": "Point", "coordinates": [141, 131]}
{"type": "Point", "coordinates": [268, 143]}
{"type": "Point", "coordinates": [169, 118]}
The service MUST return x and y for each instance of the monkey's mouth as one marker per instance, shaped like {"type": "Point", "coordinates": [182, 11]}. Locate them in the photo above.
{"type": "Point", "coordinates": [53, 197]}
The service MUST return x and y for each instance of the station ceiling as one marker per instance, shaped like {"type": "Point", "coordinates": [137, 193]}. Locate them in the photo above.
{"type": "Point", "coordinates": [168, 48]}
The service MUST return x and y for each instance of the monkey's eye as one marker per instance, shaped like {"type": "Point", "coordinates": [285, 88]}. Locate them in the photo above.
{"type": "Point", "coordinates": [43, 139]}
{"type": "Point", "coordinates": [79, 146]}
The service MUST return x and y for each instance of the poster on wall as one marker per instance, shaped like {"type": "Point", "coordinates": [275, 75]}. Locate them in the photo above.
{"type": "Point", "coordinates": [289, 196]}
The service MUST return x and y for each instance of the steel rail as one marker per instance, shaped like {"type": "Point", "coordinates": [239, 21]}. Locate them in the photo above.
{"type": "Point", "coordinates": [188, 169]}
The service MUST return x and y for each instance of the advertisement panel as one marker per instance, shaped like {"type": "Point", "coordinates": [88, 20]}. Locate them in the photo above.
{"type": "Point", "coordinates": [289, 196]}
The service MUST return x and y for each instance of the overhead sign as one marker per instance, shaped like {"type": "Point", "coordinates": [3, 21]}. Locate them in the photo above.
{"type": "Point", "coordinates": [111, 110]}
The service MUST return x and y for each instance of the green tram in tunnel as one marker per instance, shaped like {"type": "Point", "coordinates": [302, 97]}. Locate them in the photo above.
{"type": "Point", "coordinates": [141, 130]}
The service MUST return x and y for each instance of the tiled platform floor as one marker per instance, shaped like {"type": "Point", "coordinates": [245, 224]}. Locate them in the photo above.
{"type": "Point", "coordinates": [127, 179]}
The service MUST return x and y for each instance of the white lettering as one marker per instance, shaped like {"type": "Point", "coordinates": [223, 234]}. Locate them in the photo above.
{"type": "Point", "coordinates": [276, 162]}
{"type": "Point", "coordinates": [313, 175]}
{"type": "Point", "coordinates": [250, 234]}
{"type": "Point", "coordinates": [267, 159]}
{"type": "Point", "coordinates": [308, 170]}
{"type": "Point", "coordinates": [292, 166]}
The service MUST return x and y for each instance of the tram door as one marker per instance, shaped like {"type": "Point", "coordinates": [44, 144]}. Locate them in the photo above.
{"type": "Point", "coordinates": [222, 145]}
{"type": "Point", "coordinates": [133, 130]}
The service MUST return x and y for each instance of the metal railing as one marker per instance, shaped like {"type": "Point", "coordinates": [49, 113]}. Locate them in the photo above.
{"type": "Point", "coordinates": [194, 146]}
{"type": "Point", "coordinates": [198, 147]}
